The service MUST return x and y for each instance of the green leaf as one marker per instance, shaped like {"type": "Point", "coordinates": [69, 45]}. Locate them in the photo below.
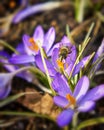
{"type": "Point", "coordinates": [13, 98]}
{"type": "Point", "coordinates": [90, 122]}
{"type": "Point", "coordinates": [8, 46]}
{"type": "Point", "coordinates": [80, 9]}
{"type": "Point", "coordinates": [25, 114]}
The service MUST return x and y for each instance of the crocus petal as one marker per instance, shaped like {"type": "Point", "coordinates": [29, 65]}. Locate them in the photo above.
{"type": "Point", "coordinates": [5, 78]}
{"type": "Point", "coordinates": [60, 101]}
{"type": "Point", "coordinates": [65, 41]}
{"type": "Point", "coordinates": [4, 54]}
{"type": "Point", "coordinates": [80, 65]}
{"type": "Point", "coordinates": [95, 93]}
{"type": "Point", "coordinates": [49, 39]}
{"type": "Point", "coordinates": [4, 91]}
{"type": "Point", "coordinates": [50, 67]}
{"type": "Point", "coordinates": [22, 59]}
{"type": "Point", "coordinates": [27, 44]}
{"type": "Point", "coordinates": [70, 60]}
{"type": "Point", "coordinates": [60, 85]}
{"type": "Point", "coordinates": [26, 75]}
{"type": "Point", "coordinates": [99, 51]}
{"type": "Point", "coordinates": [5, 84]}
{"type": "Point", "coordinates": [39, 34]}
{"type": "Point", "coordinates": [5, 61]}
{"type": "Point", "coordinates": [35, 9]}
{"type": "Point", "coordinates": [55, 57]}
{"type": "Point", "coordinates": [50, 52]}
{"type": "Point", "coordinates": [65, 117]}
{"type": "Point", "coordinates": [86, 106]}
{"type": "Point", "coordinates": [20, 48]}
{"type": "Point", "coordinates": [81, 88]}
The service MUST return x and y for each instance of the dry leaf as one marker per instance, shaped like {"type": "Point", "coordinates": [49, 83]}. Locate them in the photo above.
{"type": "Point", "coordinates": [39, 103]}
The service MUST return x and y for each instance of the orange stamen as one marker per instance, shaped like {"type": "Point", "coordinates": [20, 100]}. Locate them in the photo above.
{"type": "Point", "coordinates": [71, 99]}
{"type": "Point", "coordinates": [60, 64]}
{"type": "Point", "coordinates": [33, 46]}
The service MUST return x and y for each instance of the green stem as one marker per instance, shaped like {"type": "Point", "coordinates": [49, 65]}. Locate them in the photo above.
{"type": "Point", "coordinates": [66, 128]}
{"type": "Point", "coordinates": [78, 57]}
{"type": "Point", "coordinates": [9, 46]}
{"type": "Point", "coordinates": [86, 40]}
{"type": "Point", "coordinates": [75, 121]}
{"type": "Point", "coordinates": [29, 114]}
{"type": "Point", "coordinates": [45, 67]}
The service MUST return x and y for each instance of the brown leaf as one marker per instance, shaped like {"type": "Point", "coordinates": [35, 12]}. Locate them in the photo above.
{"type": "Point", "coordinates": [39, 103]}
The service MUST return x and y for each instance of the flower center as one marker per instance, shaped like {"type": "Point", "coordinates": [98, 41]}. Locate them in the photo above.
{"type": "Point", "coordinates": [60, 64]}
{"type": "Point", "coordinates": [71, 99]}
{"type": "Point", "coordinates": [33, 46]}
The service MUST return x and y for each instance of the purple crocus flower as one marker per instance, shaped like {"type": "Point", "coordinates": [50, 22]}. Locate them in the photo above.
{"type": "Point", "coordinates": [99, 51]}
{"type": "Point", "coordinates": [31, 47]}
{"type": "Point", "coordinates": [5, 81]}
{"type": "Point", "coordinates": [80, 99]}
{"type": "Point", "coordinates": [11, 68]}
{"type": "Point", "coordinates": [5, 84]}
{"type": "Point", "coordinates": [36, 9]}
{"type": "Point", "coordinates": [63, 58]}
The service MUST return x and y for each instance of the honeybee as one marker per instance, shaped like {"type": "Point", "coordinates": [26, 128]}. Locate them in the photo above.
{"type": "Point", "coordinates": [63, 52]}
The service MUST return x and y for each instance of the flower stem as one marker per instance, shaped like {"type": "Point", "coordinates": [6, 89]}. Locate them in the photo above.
{"type": "Point", "coordinates": [8, 46]}
{"type": "Point", "coordinates": [66, 128]}
{"type": "Point", "coordinates": [45, 67]}
{"type": "Point", "coordinates": [75, 121]}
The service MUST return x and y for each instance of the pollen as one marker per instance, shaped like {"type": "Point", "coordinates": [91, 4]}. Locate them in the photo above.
{"type": "Point", "coordinates": [34, 46]}
{"type": "Point", "coordinates": [60, 64]}
{"type": "Point", "coordinates": [71, 99]}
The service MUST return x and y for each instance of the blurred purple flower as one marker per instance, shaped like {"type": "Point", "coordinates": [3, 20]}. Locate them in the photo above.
{"type": "Point", "coordinates": [11, 68]}
{"type": "Point", "coordinates": [5, 84]}
{"type": "Point", "coordinates": [80, 100]}
{"type": "Point", "coordinates": [31, 47]}
{"type": "Point", "coordinates": [35, 9]}
{"type": "Point", "coordinates": [6, 79]}
{"type": "Point", "coordinates": [99, 51]}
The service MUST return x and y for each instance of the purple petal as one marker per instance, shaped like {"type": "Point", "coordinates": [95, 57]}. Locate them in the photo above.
{"type": "Point", "coordinates": [60, 85]}
{"type": "Point", "coordinates": [55, 57]}
{"type": "Point", "coordinates": [5, 84]}
{"type": "Point", "coordinates": [4, 79]}
{"type": "Point", "coordinates": [22, 59]}
{"type": "Point", "coordinates": [86, 106]}
{"type": "Point", "coordinates": [70, 60]}
{"type": "Point", "coordinates": [60, 101]}
{"type": "Point", "coordinates": [26, 75]}
{"type": "Point", "coordinates": [50, 67]}
{"type": "Point", "coordinates": [20, 48]}
{"type": "Point", "coordinates": [69, 68]}
{"type": "Point", "coordinates": [65, 117]}
{"type": "Point", "coordinates": [65, 41]}
{"type": "Point", "coordinates": [4, 92]}
{"type": "Point", "coordinates": [51, 50]}
{"type": "Point", "coordinates": [4, 54]}
{"type": "Point", "coordinates": [81, 88]}
{"type": "Point", "coordinates": [27, 44]}
{"type": "Point", "coordinates": [5, 61]}
{"type": "Point", "coordinates": [34, 9]}
{"type": "Point", "coordinates": [38, 34]}
{"type": "Point", "coordinates": [49, 39]}
{"type": "Point", "coordinates": [99, 51]}
{"type": "Point", "coordinates": [95, 93]}
{"type": "Point", "coordinates": [80, 65]}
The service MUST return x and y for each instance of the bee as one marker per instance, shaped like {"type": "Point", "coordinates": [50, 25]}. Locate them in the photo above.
{"type": "Point", "coordinates": [63, 52]}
